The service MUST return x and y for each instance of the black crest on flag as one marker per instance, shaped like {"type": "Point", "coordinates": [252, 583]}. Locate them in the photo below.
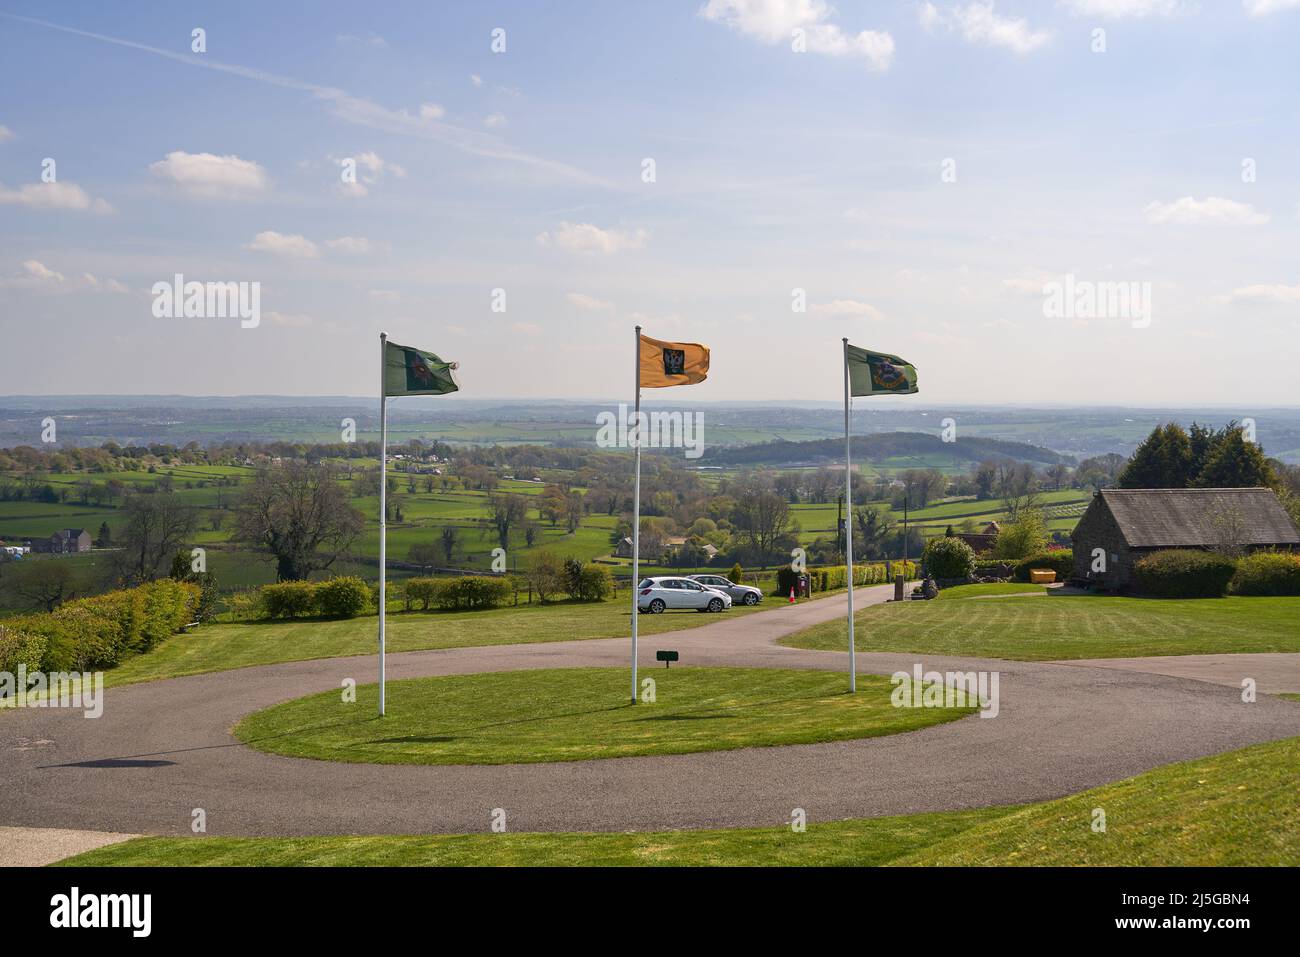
{"type": "Point", "coordinates": [418, 374]}
{"type": "Point", "coordinates": [674, 362]}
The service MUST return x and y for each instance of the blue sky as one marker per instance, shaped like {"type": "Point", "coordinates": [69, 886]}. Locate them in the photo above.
{"type": "Point", "coordinates": [828, 170]}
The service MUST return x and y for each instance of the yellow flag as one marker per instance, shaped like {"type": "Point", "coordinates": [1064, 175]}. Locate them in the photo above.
{"type": "Point", "coordinates": [672, 363]}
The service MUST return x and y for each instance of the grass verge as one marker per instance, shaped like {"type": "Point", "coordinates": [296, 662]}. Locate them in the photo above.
{"type": "Point", "coordinates": [1059, 627]}
{"type": "Point", "coordinates": [1230, 809]}
{"type": "Point", "coordinates": [574, 714]}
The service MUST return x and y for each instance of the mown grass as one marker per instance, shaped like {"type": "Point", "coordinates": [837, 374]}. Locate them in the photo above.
{"type": "Point", "coordinates": [222, 646]}
{"type": "Point", "coordinates": [1234, 809]}
{"type": "Point", "coordinates": [576, 714]}
{"type": "Point", "coordinates": [1034, 628]}
{"type": "Point", "coordinates": [996, 588]}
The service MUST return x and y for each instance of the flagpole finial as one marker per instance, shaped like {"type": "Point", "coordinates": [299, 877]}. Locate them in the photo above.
{"type": "Point", "coordinates": [845, 339]}
{"type": "Point", "coordinates": [383, 335]}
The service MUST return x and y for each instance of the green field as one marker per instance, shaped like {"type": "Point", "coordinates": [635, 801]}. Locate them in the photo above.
{"type": "Point", "coordinates": [1036, 628]}
{"type": "Point", "coordinates": [1234, 809]}
{"type": "Point", "coordinates": [578, 714]}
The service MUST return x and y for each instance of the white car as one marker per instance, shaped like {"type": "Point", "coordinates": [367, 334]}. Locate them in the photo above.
{"type": "Point", "coordinates": [657, 595]}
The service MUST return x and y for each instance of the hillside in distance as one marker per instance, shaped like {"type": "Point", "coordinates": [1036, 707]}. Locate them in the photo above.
{"type": "Point", "coordinates": [897, 449]}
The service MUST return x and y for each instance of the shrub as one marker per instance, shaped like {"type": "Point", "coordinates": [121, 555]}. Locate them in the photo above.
{"type": "Point", "coordinates": [472, 592]}
{"type": "Point", "coordinates": [1025, 536]}
{"type": "Point", "coordinates": [948, 558]}
{"type": "Point", "coordinates": [289, 599]}
{"type": "Point", "coordinates": [1060, 561]}
{"type": "Point", "coordinates": [343, 597]}
{"type": "Point", "coordinates": [737, 573]}
{"type": "Point", "coordinates": [786, 579]}
{"type": "Point", "coordinates": [423, 590]}
{"type": "Point", "coordinates": [19, 648]}
{"type": "Point", "coordinates": [587, 582]}
{"type": "Point", "coordinates": [1267, 573]}
{"type": "Point", "coordinates": [1184, 573]}
{"type": "Point", "coordinates": [246, 604]}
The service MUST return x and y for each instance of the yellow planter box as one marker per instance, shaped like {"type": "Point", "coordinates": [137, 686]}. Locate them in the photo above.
{"type": "Point", "coordinates": [1042, 576]}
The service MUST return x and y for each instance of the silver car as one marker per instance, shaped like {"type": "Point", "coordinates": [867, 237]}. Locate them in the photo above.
{"type": "Point", "coordinates": [659, 594]}
{"type": "Point", "coordinates": [741, 594]}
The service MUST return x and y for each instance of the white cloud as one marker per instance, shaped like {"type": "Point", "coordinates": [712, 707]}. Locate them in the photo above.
{"type": "Point", "coordinates": [279, 244]}
{"type": "Point", "coordinates": [209, 176]}
{"type": "Point", "coordinates": [1121, 9]}
{"type": "Point", "coordinates": [525, 328]}
{"type": "Point", "coordinates": [978, 22]}
{"type": "Point", "coordinates": [1212, 209]}
{"type": "Point", "coordinates": [586, 238]}
{"type": "Point", "coordinates": [589, 303]}
{"type": "Point", "coordinates": [494, 120]}
{"type": "Point", "coordinates": [1026, 286]}
{"type": "Point", "coordinates": [53, 196]}
{"type": "Point", "coordinates": [350, 244]}
{"type": "Point", "coordinates": [5, 133]}
{"type": "Point", "coordinates": [431, 111]}
{"type": "Point", "coordinates": [384, 295]}
{"type": "Point", "coordinates": [35, 275]}
{"type": "Point", "coordinates": [476, 79]}
{"type": "Point", "coordinates": [847, 307]}
{"type": "Point", "coordinates": [1266, 293]}
{"type": "Point", "coordinates": [774, 21]}
{"type": "Point", "coordinates": [1262, 8]}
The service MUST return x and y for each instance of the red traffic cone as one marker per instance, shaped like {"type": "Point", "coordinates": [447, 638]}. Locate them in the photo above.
{"type": "Point", "coordinates": [792, 594]}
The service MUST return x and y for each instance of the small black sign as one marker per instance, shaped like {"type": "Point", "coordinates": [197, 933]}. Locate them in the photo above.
{"type": "Point", "coordinates": [674, 362]}
{"type": "Point", "coordinates": [666, 657]}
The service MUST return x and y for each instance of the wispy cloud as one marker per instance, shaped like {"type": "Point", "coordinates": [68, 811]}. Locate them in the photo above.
{"type": "Point", "coordinates": [424, 124]}
{"type": "Point", "coordinates": [591, 239]}
{"type": "Point", "coordinates": [65, 196]}
{"type": "Point", "coordinates": [1262, 8]}
{"type": "Point", "coordinates": [1211, 210]}
{"type": "Point", "coordinates": [775, 21]}
{"type": "Point", "coordinates": [980, 23]}
{"type": "Point", "coordinates": [1125, 9]}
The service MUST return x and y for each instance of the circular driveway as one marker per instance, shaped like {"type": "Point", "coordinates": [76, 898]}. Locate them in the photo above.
{"type": "Point", "coordinates": [164, 748]}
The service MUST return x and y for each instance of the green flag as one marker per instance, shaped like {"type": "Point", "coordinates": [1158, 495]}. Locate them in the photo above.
{"type": "Point", "coordinates": [877, 373]}
{"type": "Point", "coordinates": [410, 371]}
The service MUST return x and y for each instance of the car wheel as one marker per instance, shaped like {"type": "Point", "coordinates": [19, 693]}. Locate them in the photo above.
{"type": "Point", "coordinates": [657, 606]}
{"type": "Point", "coordinates": [715, 604]}
{"type": "Point", "coordinates": [750, 598]}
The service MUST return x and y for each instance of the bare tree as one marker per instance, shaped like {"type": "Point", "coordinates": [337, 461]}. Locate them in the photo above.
{"type": "Point", "coordinates": [449, 537]}
{"type": "Point", "coordinates": [300, 516]}
{"type": "Point", "coordinates": [46, 584]}
{"type": "Point", "coordinates": [156, 526]}
{"type": "Point", "coordinates": [507, 511]}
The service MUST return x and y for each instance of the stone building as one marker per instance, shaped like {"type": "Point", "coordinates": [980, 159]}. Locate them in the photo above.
{"type": "Point", "coordinates": [1126, 524]}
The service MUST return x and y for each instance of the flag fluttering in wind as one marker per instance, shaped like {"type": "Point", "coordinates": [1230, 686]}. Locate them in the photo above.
{"type": "Point", "coordinates": [410, 371]}
{"type": "Point", "coordinates": [662, 364]}
{"type": "Point", "coordinates": [878, 373]}
{"type": "Point", "coordinates": [867, 373]}
{"type": "Point", "coordinates": [402, 371]}
{"type": "Point", "coordinates": [659, 364]}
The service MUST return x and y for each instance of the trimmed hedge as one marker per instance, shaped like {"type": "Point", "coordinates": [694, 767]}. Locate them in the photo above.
{"type": "Point", "coordinates": [289, 599]}
{"type": "Point", "coordinates": [948, 558]}
{"type": "Point", "coordinates": [836, 576]}
{"type": "Point", "coordinates": [1183, 573]}
{"type": "Point", "coordinates": [1060, 561]}
{"type": "Point", "coordinates": [18, 648]}
{"type": "Point", "coordinates": [92, 633]}
{"type": "Point", "coordinates": [471, 592]}
{"type": "Point", "coordinates": [1267, 573]}
{"type": "Point", "coordinates": [344, 597]}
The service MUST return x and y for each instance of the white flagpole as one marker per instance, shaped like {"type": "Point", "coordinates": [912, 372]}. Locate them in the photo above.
{"type": "Point", "coordinates": [848, 521]}
{"type": "Point", "coordinates": [383, 504]}
{"type": "Point", "coordinates": [636, 508]}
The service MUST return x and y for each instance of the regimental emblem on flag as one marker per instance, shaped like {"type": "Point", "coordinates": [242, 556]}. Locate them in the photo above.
{"type": "Point", "coordinates": [874, 373]}
{"type": "Point", "coordinates": [674, 362]}
{"type": "Point", "coordinates": [409, 371]}
{"type": "Point", "coordinates": [663, 364]}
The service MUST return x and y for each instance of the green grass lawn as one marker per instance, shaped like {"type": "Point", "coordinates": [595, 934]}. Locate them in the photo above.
{"type": "Point", "coordinates": [985, 590]}
{"type": "Point", "coordinates": [1036, 628]}
{"type": "Point", "coordinates": [219, 647]}
{"type": "Point", "coordinates": [576, 714]}
{"type": "Point", "coordinates": [1234, 809]}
